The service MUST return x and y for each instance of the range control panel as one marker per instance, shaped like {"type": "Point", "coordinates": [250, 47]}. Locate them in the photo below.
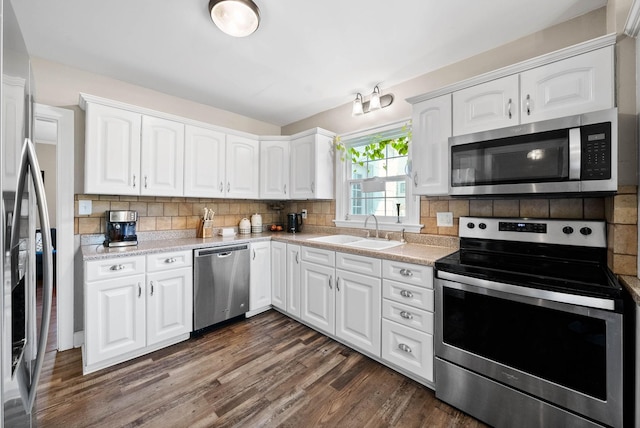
{"type": "Point", "coordinates": [550, 231]}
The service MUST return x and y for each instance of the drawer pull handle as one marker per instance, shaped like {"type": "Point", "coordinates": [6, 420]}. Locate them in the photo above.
{"type": "Point", "coordinates": [139, 290]}
{"type": "Point", "coordinates": [117, 267]}
{"type": "Point", "coordinates": [338, 283]}
{"type": "Point", "coordinates": [405, 348]}
{"type": "Point", "coordinates": [406, 293]}
{"type": "Point", "coordinates": [297, 257]}
{"type": "Point", "coordinates": [331, 282]}
{"type": "Point", "coordinates": [406, 272]}
{"type": "Point", "coordinates": [170, 260]}
{"type": "Point", "coordinates": [406, 315]}
{"type": "Point", "coordinates": [152, 288]}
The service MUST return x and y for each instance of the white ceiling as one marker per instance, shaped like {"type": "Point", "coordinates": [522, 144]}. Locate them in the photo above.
{"type": "Point", "coordinates": [306, 57]}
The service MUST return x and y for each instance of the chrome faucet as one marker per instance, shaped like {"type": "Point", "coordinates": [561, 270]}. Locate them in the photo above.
{"type": "Point", "coordinates": [376, 219]}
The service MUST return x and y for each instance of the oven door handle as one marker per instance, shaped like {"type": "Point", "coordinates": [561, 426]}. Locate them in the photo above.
{"type": "Point", "coordinates": [535, 293]}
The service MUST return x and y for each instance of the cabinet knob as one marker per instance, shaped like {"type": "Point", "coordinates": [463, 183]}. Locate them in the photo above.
{"type": "Point", "coordinates": [297, 257]}
{"type": "Point", "coordinates": [139, 290]}
{"type": "Point", "coordinates": [406, 293]}
{"type": "Point", "coordinates": [338, 283]}
{"type": "Point", "coordinates": [406, 315]}
{"type": "Point", "coordinates": [405, 348]}
{"type": "Point", "coordinates": [151, 283]}
{"type": "Point", "coordinates": [331, 282]}
{"type": "Point", "coordinates": [406, 272]}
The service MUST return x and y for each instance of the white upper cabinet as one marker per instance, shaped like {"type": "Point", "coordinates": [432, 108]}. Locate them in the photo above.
{"type": "Point", "coordinates": [312, 166]}
{"type": "Point", "coordinates": [162, 157]}
{"type": "Point", "coordinates": [490, 105]}
{"type": "Point", "coordinates": [204, 173]}
{"type": "Point", "coordinates": [274, 169]}
{"type": "Point", "coordinates": [112, 151]}
{"type": "Point", "coordinates": [243, 167]}
{"type": "Point", "coordinates": [575, 85]}
{"type": "Point", "coordinates": [431, 131]}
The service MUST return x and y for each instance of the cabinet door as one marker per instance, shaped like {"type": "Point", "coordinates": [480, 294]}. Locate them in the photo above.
{"type": "Point", "coordinates": [279, 275]}
{"type": "Point", "coordinates": [317, 296]}
{"type": "Point", "coordinates": [204, 173]}
{"type": "Point", "coordinates": [358, 310]}
{"type": "Point", "coordinates": [490, 105]}
{"type": "Point", "coordinates": [114, 317]}
{"type": "Point", "coordinates": [410, 349]}
{"type": "Point", "coordinates": [274, 169]}
{"type": "Point", "coordinates": [243, 167]}
{"type": "Point", "coordinates": [112, 151]}
{"type": "Point", "coordinates": [293, 279]}
{"type": "Point", "coordinates": [162, 157]}
{"type": "Point", "coordinates": [260, 275]}
{"type": "Point", "coordinates": [429, 148]}
{"type": "Point", "coordinates": [169, 304]}
{"type": "Point", "coordinates": [576, 85]}
{"type": "Point", "coordinates": [303, 168]}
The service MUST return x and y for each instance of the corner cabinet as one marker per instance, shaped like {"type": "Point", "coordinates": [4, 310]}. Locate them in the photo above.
{"type": "Point", "coordinates": [312, 165]}
{"type": "Point", "coordinates": [135, 305]}
{"type": "Point", "coordinates": [431, 131]}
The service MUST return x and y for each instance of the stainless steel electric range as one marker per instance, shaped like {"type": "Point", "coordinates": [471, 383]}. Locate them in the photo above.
{"type": "Point", "coordinates": [529, 324]}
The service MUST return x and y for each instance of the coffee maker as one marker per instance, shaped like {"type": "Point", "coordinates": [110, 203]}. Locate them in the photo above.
{"type": "Point", "coordinates": [120, 228]}
{"type": "Point", "coordinates": [294, 223]}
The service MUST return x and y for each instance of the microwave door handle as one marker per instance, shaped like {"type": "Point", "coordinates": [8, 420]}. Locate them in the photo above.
{"type": "Point", "coordinates": [575, 154]}
{"type": "Point", "coordinates": [29, 163]}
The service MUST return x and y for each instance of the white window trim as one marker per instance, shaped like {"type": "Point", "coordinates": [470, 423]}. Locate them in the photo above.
{"type": "Point", "coordinates": [410, 224]}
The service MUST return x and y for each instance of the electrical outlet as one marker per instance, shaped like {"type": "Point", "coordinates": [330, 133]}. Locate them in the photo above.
{"type": "Point", "coordinates": [84, 207]}
{"type": "Point", "coordinates": [444, 219]}
{"type": "Point", "coordinates": [304, 214]}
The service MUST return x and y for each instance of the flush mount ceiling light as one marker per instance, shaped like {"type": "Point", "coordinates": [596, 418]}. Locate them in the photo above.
{"type": "Point", "coordinates": [376, 102]}
{"type": "Point", "coordinates": [238, 18]}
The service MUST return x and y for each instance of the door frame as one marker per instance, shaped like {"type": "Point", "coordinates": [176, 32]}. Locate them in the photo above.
{"type": "Point", "coordinates": [65, 212]}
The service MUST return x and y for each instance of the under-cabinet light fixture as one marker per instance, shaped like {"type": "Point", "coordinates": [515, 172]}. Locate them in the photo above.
{"type": "Point", "coordinates": [238, 18]}
{"type": "Point", "coordinates": [376, 102]}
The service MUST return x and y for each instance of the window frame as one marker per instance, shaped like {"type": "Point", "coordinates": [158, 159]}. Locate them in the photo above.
{"type": "Point", "coordinates": [410, 222]}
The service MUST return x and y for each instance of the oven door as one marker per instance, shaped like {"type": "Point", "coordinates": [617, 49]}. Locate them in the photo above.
{"type": "Point", "coordinates": [562, 353]}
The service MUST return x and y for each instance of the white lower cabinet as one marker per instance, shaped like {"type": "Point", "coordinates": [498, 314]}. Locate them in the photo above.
{"type": "Point", "coordinates": [279, 275]}
{"type": "Point", "coordinates": [135, 305]}
{"type": "Point", "coordinates": [293, 276]}
{"type": "Point", "coordinates": [260, 277]}
{"type": "Point", "coordinates": [317, 296]}
{"type": "Point", "coordinates": [407, 317]}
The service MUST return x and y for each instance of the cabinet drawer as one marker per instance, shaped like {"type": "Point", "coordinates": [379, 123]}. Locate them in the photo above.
{"type": "Point", "coordinates": [408, 348]}
{"type": "Point", "coordinates": [408, 316]}
{"type": "Point", "coordinates": [408, 273]}
{"type": "Point", "coordinates": [418, 297]}
{"type": "Point", "coordinates": [319, 256]}
{"type": "Point", "coordinates": [165, 261]}
{"type": "Point", "coordinates": [113, 268]}
{"type": "Point", "coordinates": [358, 264]}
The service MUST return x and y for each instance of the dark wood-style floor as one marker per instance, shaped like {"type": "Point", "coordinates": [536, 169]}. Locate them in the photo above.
{"type": "Point", "coordinates": [265, 371]}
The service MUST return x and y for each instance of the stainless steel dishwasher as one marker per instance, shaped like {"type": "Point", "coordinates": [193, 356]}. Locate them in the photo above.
{"type": "Point", "coordinates": [221, 284]}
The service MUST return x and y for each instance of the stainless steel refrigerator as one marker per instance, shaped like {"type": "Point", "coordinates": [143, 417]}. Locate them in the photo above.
{"type": "Point", "coordinates": [24, 328]}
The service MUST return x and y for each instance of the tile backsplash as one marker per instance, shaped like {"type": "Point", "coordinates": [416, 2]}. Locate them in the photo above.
{"type": "Point", "coordinates": [161, 213]}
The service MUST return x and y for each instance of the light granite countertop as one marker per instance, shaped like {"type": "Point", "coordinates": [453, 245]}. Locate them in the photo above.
{"type": "Point", "coordinates": [409, 253]}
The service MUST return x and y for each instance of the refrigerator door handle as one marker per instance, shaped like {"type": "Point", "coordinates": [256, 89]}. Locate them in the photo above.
{"type": "Point", "coordinates": [29, 164]}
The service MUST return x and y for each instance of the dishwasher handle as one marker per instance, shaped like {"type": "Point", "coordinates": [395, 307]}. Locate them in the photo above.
{"type": "Point", "coordinates": [220, 251]}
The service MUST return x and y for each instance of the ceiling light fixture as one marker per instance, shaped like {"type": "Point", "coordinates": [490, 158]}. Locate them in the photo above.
{"type": "Point", "coordinates": [238, 18]}
{"type": "Point", "coordinates": [376, 102]}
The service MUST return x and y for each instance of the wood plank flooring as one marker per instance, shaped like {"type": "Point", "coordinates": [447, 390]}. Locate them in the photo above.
{"type": "Point", "coordinates": [265, 371]}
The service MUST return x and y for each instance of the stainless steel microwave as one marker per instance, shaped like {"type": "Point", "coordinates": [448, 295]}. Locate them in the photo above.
{"type": "Point", "coordinates": [572, 154]}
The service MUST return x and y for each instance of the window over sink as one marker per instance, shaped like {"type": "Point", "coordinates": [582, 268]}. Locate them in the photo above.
{"type": "Point", "coordinates": [371, 177]}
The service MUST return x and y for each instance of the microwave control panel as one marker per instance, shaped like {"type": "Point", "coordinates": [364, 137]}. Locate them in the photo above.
{"type": "Point", "coordinates": [596, 151]}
